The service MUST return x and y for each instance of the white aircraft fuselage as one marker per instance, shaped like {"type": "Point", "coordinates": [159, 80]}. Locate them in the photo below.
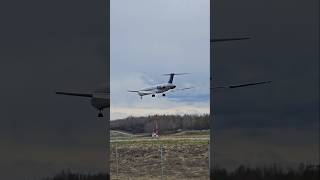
{"type": "Point", "coordinates": [100, 99]}
{"type": "Point", "coordinates": [161, 88]}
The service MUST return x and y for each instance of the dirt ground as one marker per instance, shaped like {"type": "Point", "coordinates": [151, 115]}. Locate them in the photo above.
{"type": "Point", "coordinates": [184, 157]}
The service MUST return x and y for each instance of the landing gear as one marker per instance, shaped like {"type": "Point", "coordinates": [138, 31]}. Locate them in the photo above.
{"type": "Point", "coordinates": [163, 94]}
{"type": "Point", "coordinates": [153, 95]}
{"type": "Point", "coordinates": [100, 113]}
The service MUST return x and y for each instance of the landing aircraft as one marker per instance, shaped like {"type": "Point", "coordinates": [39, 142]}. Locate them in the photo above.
{"type": "Point", "coordinates": [100, 98]}
{"type": "Point", "coordinates": [161, 88]}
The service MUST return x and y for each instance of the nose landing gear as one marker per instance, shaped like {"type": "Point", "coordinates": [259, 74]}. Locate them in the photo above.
{"type": "Point", "coordinates": [153, 95]}
{"type": "Point", "coordinates": [163, 94]}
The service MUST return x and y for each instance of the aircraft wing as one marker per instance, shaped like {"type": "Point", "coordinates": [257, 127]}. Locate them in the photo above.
{"type": "Point", "coordinates": [182, 89]}
{"type": "Point", "coordinates": [228, 39]}
{"type": "Point", "coordinates": [143, 90]}
{"type": "Point", "coordinates": [149, 89]}
{"type": "Point", "coordinates": [74, 94]}
{"type": "Point", "coordinates": [241, 85]}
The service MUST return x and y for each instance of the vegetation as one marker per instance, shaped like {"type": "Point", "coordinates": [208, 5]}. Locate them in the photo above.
{"type": "Point", "coordinates": [68, 175]}
{"type": "Point", "coordinates": [309, 172]}
{"type": "Point", "coordinates": [303, 172]}
{"type": "Point", "coordinates": [185, 154]}
{"type": "Point", "coordinates": [165, 123]}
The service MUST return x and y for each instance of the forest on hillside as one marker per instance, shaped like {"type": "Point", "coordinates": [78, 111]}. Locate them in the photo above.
{"type": "Point", "coordinates": [165, 123]}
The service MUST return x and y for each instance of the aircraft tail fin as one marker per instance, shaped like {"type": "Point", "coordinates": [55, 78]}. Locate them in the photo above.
{"type": "Point", "coordinates": [172, 75]}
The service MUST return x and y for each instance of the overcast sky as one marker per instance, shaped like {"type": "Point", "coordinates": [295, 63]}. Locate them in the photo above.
{"type": "Point", "coordinates": [150, 38]}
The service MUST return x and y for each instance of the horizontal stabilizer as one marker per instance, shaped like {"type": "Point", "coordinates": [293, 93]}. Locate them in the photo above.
{"type": "Point", "coordinates": [175, 74]}
{"type": "Point", "coordinates": [74, 94]}
{"type": "Point", "coordinates": [172, 75]}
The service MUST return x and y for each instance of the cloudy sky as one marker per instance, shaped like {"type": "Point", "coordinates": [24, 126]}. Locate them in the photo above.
{"type": "Point", "coordinates": [150, 38]}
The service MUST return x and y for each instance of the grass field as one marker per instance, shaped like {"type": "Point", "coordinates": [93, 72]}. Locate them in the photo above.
{"type": "Point", "coordinates": [185, 156]}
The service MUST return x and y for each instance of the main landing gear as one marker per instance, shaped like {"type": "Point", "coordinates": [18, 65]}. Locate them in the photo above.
{"type": "Point", "coordinates": [100, 113]}
{"type": "Point", "coordinates": [153, 95]}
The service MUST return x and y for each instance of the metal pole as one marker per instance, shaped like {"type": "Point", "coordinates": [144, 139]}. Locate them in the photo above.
{"type": "Point", "coordinates": [108, 147]}
{"type": "Point", "coordinates": [211, 161]}
{"type": "Point", "coordinates": [117, 161]}
{"type": "Point", "coordinates": [161, 158]}
{"type": "Point", "coordinates": [209, 157]}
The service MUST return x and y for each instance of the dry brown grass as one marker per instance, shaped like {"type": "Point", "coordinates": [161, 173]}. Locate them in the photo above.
{"type": "Point", "coordinates": [140, 158]}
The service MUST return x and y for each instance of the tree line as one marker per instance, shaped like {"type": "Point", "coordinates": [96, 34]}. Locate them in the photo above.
{"type": "Point", "coordinates": [165, 123]}
{"type": "Point", "coordinates": [273, 172]}
{"type": "Point", "coordinates": [303, 172]}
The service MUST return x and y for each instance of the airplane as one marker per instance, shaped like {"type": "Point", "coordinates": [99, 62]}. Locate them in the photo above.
{"type": "Point", "coordinates": [161, 88]}
{"type": "Point", "coordinates": [100, 98]}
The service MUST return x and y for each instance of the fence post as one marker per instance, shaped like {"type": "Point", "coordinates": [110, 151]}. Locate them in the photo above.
{"type": "Point", "coordinates": [209, 158]}
{"type": "Point", "coordinates": [117, 162]}
{"type": "Point", "coordinates": [161, 162]}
